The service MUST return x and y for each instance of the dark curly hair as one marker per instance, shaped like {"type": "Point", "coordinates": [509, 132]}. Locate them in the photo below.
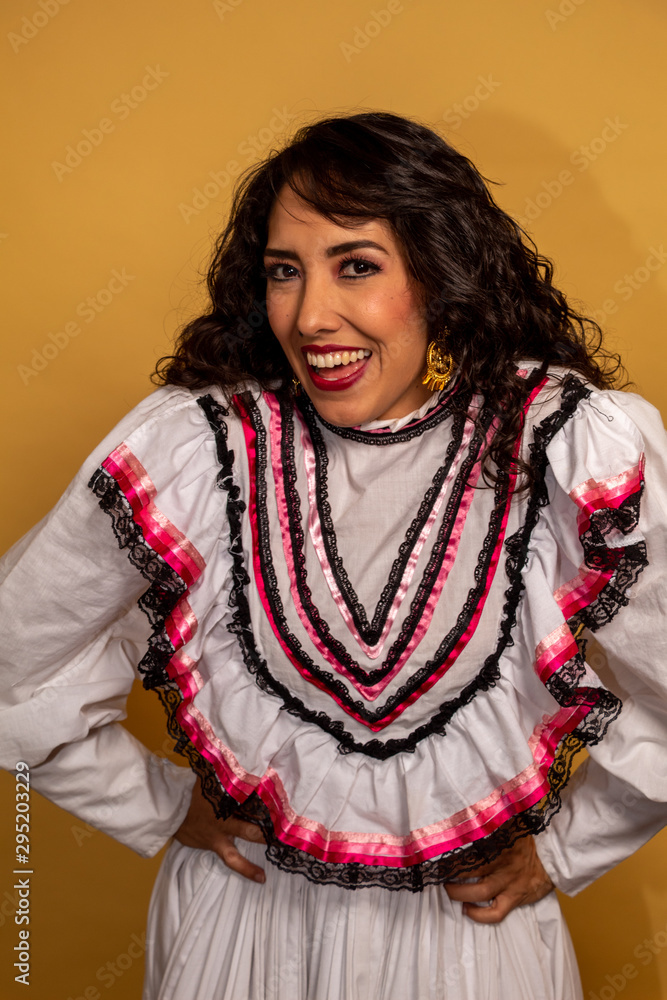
{"type": "Point", "coordinates": [480, 275]}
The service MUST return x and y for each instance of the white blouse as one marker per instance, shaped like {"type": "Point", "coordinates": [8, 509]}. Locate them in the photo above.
{"type": "Point", "coordinates": [359, 643]}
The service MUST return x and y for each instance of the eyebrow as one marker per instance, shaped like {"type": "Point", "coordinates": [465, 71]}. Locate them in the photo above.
{"type": "Point", "coordinates": [331, 251]}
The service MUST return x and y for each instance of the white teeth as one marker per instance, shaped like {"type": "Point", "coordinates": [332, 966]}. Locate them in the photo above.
{"type": "Point", "coordinates": [336, 358]}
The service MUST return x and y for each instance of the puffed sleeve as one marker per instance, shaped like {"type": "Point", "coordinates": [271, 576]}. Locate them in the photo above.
{"type": "Point", "coordinates": [75, 629]}
{"type": "Point", "coordinates": [608, 515]}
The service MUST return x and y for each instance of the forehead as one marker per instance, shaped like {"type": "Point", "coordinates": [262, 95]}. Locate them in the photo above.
{"type": "Point", "coordinates": [290, 213]}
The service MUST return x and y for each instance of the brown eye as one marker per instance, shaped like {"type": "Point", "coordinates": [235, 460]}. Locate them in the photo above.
{"type": "Point", "coordinates": [271, 272]}
{"type": "Point", "coordinates": [359, 262]}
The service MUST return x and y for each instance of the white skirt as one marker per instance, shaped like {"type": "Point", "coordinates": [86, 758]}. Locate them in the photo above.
{"type": "Point", "coordinates": [214, 935]}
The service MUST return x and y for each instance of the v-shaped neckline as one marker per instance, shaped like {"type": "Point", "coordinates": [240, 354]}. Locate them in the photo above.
{"type": "Point", "coordinates": [372, 635]}
{"type": "Point", "coordinates": [370, 684]}
{"type": "Point", "coordinates": [286, 606]}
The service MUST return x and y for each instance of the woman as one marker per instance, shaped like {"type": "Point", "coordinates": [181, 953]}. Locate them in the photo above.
{"type": "Point", "coordinates": [360, 538]}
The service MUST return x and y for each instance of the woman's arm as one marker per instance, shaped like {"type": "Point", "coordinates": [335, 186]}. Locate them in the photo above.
{"type": "Point", "coordinates": [72, 638]}
{"type": "Point", "coordinates": [617, 800]}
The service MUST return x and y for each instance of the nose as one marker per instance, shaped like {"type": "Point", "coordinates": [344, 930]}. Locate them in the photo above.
{"type": "Point", "coordinates": [317, 311]}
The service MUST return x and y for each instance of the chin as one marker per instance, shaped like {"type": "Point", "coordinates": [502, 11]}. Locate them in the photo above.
{"type": "Point", "coordinates": [342, 413]}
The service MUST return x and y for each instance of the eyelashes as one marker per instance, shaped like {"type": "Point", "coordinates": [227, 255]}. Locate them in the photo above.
{"type": "Point", "coordinates": [270, 272]}
{"type": "Point", "coordinates": [374, 268]}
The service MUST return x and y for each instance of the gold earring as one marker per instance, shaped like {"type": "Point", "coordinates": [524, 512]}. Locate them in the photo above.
{"type": "Point", "coordinates": [439, 364]}
{"type": "Point", "coordinates": [296, 386]}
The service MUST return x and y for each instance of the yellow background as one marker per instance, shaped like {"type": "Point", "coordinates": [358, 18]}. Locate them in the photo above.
{"type": "Point", "coordinates": [537, 83]}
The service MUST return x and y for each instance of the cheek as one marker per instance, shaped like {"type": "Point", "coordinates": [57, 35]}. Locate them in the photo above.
{"type": "Point", "coordinates": [279, 310]}
{"type": "Point", "coordinates": [408, 345]}
{"type": "Point", "coordinates": [404, 316]}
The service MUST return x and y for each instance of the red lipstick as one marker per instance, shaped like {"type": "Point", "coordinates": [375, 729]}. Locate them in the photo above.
{"type": "Point", "coordinates": [337, 382]}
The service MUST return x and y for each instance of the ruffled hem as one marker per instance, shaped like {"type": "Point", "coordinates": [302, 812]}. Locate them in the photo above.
{"type": "Point", "coordinates": [424, 856]}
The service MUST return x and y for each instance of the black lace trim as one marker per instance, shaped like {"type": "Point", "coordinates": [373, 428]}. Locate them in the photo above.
{"type": "Point", "coordinates": [369, 631]}
{"type": "Point", "coordinates": [455, 864]}
{"type": "Point", "coordinates": [157, 602]}
{"type": "Point", "coordinates": [625, 562]}
{"type": "Point", "coordinates": [166, 589]}
{"type": "Point", "coordinates": [430, 574]}
{"type": "Point", "coordinates": [382, 438]}
{"type": "Point", "coordinates": [375, 747]}
{"type": "Point", "coordinates": [517, 547]}
{"type": "Point", "coordinates": [166, 586]}
{"type": "Point", "coordinates": [353, 875]}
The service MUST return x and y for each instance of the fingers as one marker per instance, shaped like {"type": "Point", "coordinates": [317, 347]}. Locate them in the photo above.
{"type": "Point", "coordinates": [492, 898]}
{"type": "Point", "coordinates": [246, 831]}
{"type": "Point", "coordinates": [227, 851]}
{"type": "Point", "coordinates": [499, 908]}
{"type": "Point", "coordinates": [475, 892]}
{"type": "Point", "coordinates": [485, 902]}
{"type": "Point", "coordinates": [201, 829]}
{"type": "Point", "coordinates": [515, 878]}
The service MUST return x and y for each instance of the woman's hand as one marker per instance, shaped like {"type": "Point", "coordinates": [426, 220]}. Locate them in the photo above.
{"type": "Point", "coordinates": [515, 878]}
{"type": "Point", "coordinates": [202, 829]}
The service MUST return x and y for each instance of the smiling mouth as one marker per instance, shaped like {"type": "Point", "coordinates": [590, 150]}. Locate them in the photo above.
{"type": "Point", "coordinates": [344, 361]}
{"type": "Point", "coordinates": [335, 366]}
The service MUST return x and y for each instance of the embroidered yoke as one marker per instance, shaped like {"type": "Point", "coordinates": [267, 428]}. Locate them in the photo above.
{"type": "Point", "coordinates": [343, 634]}
{"type": "Point", "coordinates": [367, 649]}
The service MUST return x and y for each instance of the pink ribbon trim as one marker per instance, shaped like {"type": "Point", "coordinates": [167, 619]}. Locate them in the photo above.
{"type": "Point", "coordinates": [340, 846]}
{"type": "Point", "coordinates": [315, 530]}
{"type": "Point", "coordinates": [590, 496]}
{"type": "Point", "coordinates": [160, 534]}
{"type": "Point", "coordinates": [369, 692]}
{"type": "Point", "coordinates": [162, 537]}
{"type": "Point", "coordinates": [596, 494]}
{"type": "Point", "coordinates": [553, 651]}
{"type": "Point", "coordinates": [250, 440]}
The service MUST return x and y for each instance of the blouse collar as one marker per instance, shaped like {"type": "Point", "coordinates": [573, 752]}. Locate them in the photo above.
{"type": "Point", "coordinates": [397, 423]}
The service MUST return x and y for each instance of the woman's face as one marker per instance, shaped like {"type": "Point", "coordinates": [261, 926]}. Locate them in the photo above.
{"type": "Point", "coordinates": [327, 309]}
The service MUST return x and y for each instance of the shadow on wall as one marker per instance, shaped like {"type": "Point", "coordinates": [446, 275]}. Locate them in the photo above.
{"type": "Point", "coordinates": [554, 192]}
